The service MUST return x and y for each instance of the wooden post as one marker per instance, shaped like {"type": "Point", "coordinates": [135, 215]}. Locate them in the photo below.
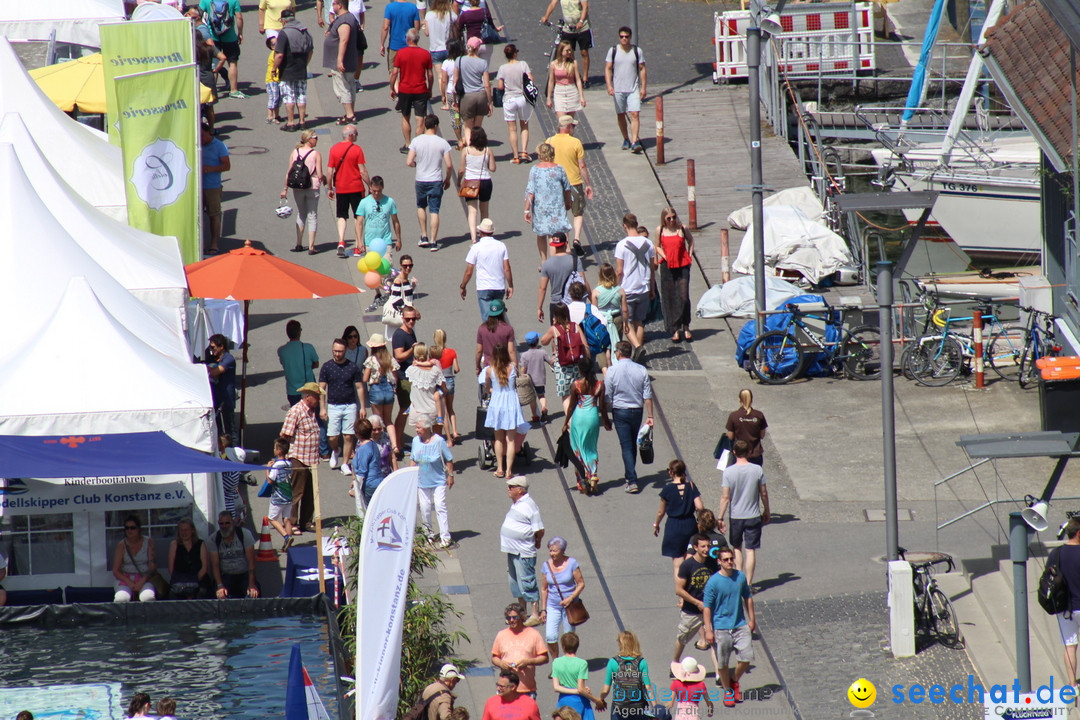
{"type": "Point", "coordinates": [977, 331]}
{"type": "Point", "coordinates": [691, 194]}
{"type": "Point", "coordinates": [725, 256]}
{"type": "Point", "coordinates": [660, 130]}
{"type": "Point", "coordinates": [318, 526]}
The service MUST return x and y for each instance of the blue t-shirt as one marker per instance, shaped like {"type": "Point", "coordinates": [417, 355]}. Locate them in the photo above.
{"type": "Point", "coordinates": [724, 595]}
{"type": "Point", "coordinates": [402, 16]}
{"type": "Point", "coordinates": [223, 390]}
{"type": "Point", "coordinates": [232, 8]}
{"type": "Point", "coordinates": [367, 465]}
{"type": "Point", "coordinates": [377, 220]}
{"type": "Point", "coordinates": [429, 458]}
{"type": "Point", "coordinates": [212, 154]}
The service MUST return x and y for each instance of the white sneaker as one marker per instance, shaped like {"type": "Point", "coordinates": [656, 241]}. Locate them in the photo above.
{"type": "Point", "coordinates": [335, 461]}
{"type": "Point", "coordinates": [345, 469]}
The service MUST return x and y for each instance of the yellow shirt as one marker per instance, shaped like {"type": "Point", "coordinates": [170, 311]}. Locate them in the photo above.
{"type": "Point", "coordinates": [568, 152]}
{"type": "Point", "coordinates": [272, 9]}
{"type": "Point", "coordinates": [273, 74]}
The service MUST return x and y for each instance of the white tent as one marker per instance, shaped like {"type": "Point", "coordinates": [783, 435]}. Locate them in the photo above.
{"type": "Point", "coordinates": [146, 264]}
{"type": "Point", "coordinates": [38, 258]}
{"type": "Point", "coordinates": [75, 21]}
{"type": "Point", "coordinates": [81, 155]}
{"type": "Point", "coordinates": [85, 371]}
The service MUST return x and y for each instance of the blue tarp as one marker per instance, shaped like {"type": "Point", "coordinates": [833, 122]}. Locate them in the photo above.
{"type": "Point", "coordinates": [778, 321]}
{"type": "Point", "coordinates": [62, 456]}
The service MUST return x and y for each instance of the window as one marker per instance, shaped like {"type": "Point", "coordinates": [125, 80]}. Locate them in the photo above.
{"type": "Point", "coordinates": [157, 523]}
{"type": "Point", "coordinates": [38, 544]}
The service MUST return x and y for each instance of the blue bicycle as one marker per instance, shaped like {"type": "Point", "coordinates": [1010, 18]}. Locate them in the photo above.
{"type": "Point", "coordinates": [1039, 341]}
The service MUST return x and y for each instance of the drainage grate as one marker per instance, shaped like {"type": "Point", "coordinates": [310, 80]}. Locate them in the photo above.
{"type": "Point", "coordinates": [878, 515]}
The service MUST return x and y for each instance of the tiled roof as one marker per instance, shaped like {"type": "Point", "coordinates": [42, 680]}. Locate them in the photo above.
{"type": "Point", "coordinates": [1031, 51]}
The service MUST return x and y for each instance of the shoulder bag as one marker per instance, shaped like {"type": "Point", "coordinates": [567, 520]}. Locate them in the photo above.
{"type": "Point", "coordinates": [156, 581]}
{"type": "Point", "coordinates": [470, 189]}
{"type": "Point", "coordinates": [576, 614]}
{"type": "Point", "coordinates": [1053, 590]}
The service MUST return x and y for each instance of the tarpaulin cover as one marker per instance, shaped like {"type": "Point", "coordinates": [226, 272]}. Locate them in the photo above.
{"type": "Point", "coordinates": [814, 365]}
{"type": "Point", "coordinates": [64, 456]}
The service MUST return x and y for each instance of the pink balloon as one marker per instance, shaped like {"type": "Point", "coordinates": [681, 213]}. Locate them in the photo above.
{"type": "Point", "coordinates": [372, 279]}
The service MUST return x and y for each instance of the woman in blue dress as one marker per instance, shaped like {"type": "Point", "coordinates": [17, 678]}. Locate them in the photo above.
{"type": "Point", "coordinates": [504, 410]}
{"type": "Point", "coordinates": [679, 500]}
{"type": "Point", "coordinates": [547, 198]}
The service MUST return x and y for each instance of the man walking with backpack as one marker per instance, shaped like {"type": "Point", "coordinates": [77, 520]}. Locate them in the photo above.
{"type": "Point", "coordinates": [226, 23]}
{"type": "Point", "coordinates": [292, 53]}
{"type": "Point", "coordinates": [634, 256]}
{"type": "Point", "coordinates": [558, 272]}
{"type": "Point", "coordinates": [624, 71]}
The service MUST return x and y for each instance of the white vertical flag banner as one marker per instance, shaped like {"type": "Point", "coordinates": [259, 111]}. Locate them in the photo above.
{"type": "Point", "coordinates": [385, 554]}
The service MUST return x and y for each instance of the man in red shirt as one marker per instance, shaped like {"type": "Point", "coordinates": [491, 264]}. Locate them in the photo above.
{"type": "Point", "coordinates": [347, 179]}
{"type": "Point", "coordinates": [508, 703]}
{"type": "Point", "coordinates": [410, 84]}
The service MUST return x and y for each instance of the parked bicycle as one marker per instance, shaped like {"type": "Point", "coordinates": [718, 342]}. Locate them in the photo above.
{"type": "Point", "coordinates": [938, 358]}
{"type": "Point", "coordinates": [934, 613]}
{"type": "Point", "coordinates": [779, 356]}
{"type": "Point", "coordinates": [1039, 341]}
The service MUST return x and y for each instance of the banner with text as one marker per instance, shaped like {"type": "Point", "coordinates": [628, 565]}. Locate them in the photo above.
{"type": "Point", "coordinates": [158, 114]}
{"type": "Point", "coordinates": [132, 47]}
{"type": "Point", "coordinates": [31, 496]}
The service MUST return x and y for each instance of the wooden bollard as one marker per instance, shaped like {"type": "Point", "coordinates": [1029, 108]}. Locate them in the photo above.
{"type": "Point", "coordinates": [691, 194]}
{"type": "Point", "coordinates": [725, 256]}
{"type": "Point", "coordinates": [659, 129]}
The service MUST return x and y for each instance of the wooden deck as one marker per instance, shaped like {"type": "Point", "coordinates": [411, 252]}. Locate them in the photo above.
{"type": "Point", "coordinates": [711, 127]}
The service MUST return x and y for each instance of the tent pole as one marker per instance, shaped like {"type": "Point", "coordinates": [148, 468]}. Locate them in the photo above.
{"type": "Point", "coordinates": [243, 376]}
{"type": "Point", "coordinates": [318, 527]}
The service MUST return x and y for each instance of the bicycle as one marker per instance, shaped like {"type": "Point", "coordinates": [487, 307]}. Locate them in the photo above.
{"type": "Point", "coordinates": [934, 613]}
{"type": "Point", "coordinates": [1039, 341]}
{"type": "Point", "coordinates": [937, 359]}
{"type": "Point", "coordinates": [777, 356]}
{"type": "Point", "coordinates": [559, 28]}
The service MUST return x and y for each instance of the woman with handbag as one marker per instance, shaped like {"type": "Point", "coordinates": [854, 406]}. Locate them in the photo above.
{"type": "Point", "coordinates": [477, 165]}
{"type": "Point", "coordinates": [517, 109]}
{"type": "Point", "coordinates": [133, 564]}
{"type": "Point", "coordinates": [679, 500]}
{"type": "Point", "coordinates": [675, 256]}
{"type": "Point", "coordinates": [473, 88]}
{"type": "Point", "coordinates": [400, 291]}
{"type": "Point", "coordinates": [561, 585]}
{"type": "Point", "coordinates": [189, 563]}
{"type": "Point", "coordinates": [471, 22]}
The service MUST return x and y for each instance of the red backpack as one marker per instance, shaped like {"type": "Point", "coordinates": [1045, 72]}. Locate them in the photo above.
{"type": "Point", "coordinates": [569, 346]}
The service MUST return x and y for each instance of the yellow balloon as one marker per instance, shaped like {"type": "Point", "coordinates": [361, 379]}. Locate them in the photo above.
{"type": "Point", "coordinates": [372, 260]}
{"type": "Point", "coordinates": [361, 264]}
{"type": "Point", "coordinates": [372, 279]}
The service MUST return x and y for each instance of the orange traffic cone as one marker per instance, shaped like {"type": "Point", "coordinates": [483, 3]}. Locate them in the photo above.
{"type": "Point", "coordinates": [266, 552]}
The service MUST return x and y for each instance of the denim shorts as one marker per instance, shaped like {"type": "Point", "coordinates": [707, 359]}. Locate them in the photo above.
{"type": "Point", "coordinates": [429, 195]}
{"type": "Point", "coordinates": [340, 420]}
{"type": "Point", "coordinates": [381, 393]}
{"type": "Point", "coordinates": [449, 384]}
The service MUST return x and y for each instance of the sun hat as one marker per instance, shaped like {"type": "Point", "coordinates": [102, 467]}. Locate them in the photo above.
{"type": "Point", "coordinates": [486, 226]}
{"type": "Point", "coordinates": [497, 307]}
{"type": "Point", "coordinates": [567, 120]}
{"type": "Point", "coordinates": [376, 341]}
{"type": "Point", "coordinates": [688, 670]}
{"type": "Point", "coordinates": [474, 43]}
{"type": "Point", "coordinates": [449, 672]}
{"type": "Point", "coordinates": [558, 239]}
{"type": "Point", "coordinates": [312, 388]}
{"type": "Point", "coordinates": [518, 481]}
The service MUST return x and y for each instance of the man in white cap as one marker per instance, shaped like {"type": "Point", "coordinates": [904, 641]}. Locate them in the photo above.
{"type": "Point", "coordinates": [570, 154]}
{"type": "Point", "coordinates": [439, 694]}
{"type": "Point", "coordinates": [521, 534]}
{"type": "Point", "coordinates": [491, 261]}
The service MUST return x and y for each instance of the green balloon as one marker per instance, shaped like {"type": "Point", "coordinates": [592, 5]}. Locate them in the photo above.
{"type": "Point", "coordinates": [384, 267]}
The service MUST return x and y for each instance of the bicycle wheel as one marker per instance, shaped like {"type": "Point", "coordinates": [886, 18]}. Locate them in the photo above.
{"type": "Point", "coordinates": [936, 362]}
{"type": "Point", "coordinates": [776, 358]}
{"type": "Point", "coordinates": [908, 358]}
{"type": "Point", "coordinates": [1004, 351]}
{"type": "Point", "coordinates": [1026, 372]}
{"type": "Point", "coordinates": [946, 627]}
{"type": "Point", "coordinates": [862, 353]}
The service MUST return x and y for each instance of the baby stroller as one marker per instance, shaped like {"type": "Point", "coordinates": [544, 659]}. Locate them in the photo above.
{"type": "Point", "coordinates": [485, 436]}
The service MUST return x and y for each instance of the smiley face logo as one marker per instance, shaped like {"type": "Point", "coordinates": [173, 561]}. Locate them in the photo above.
{"type": "Point", "coordinates": [862, 693]}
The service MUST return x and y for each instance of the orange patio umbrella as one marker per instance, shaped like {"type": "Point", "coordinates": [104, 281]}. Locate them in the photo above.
{"type": "Point", "coordinates": [248, 274]}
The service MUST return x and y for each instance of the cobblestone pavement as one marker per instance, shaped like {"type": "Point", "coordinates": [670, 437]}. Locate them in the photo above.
{"type": "Point", "coordinates": [822, 645]}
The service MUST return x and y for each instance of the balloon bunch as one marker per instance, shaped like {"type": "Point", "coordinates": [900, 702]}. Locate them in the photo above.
{"type": "Point", "coordinates": [375, 264]}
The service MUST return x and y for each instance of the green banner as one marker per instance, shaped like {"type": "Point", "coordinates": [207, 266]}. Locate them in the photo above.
{"type": "Point", "coordinates": [159, 118]}
{"type": "Point", "coordinates": [132, 47]}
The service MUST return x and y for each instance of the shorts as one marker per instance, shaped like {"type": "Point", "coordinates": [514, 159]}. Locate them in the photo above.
{"type": "Point", "coordinates": [516, 108]}
{"type": "Point", "coordinates": [437, 56]}
{"type": "Point", "coordinates": [381, 393]}
{"type": "Point", "coordinates": [748, 530]}
{"type": "Point", "coordinates": [539, 390]}
{"type": "Point", "coordinates": [577, 200]}
{"type": "Point", "coordinates": [579, 40]}
{"type": "Point", "coordinates": [637, 306]}
{"type": "Point", "coordinates": [294, 92]}
{"type": "Point", "coordinates": [231, 50]}
{"type": "Point", "coordinates": [348, 202]}
{"type": "Point", "coordinates": [737, 640]}
{"type": "Point", "coordinates": [449, 379]}
{"type": "Point", "coordinates": [689, 624]}
{"type": "Point", "coordinates": [344, 87]}
{"type": "Point", "coordinates": [340, 420]}
{"type": "Point", "coordinates": [211, 198]}
{"type": "Point", "coordinates": [1070, 628]}
{"type": "Point", "coordinates": [279, 512]}
{"type": "Point", "coordinates": [627, 102]}
{"type": "Point", "coordinates": [408, 103]}
{"type": "Point", "coordinates": [486, 187]}
{"type": "Point", "coordinates": [429, 195]}
{"type": "Point", "coordinates": [473, 105]}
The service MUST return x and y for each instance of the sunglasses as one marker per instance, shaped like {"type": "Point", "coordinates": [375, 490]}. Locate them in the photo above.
{"type": "Point", "coordinates": [409, 319]}
{"type": "Point", "coordinates": [512, 618]}
{"type": "Point", "coordinates": [405, 266]}
{"type": "Point", "coordinates": [727, 559]}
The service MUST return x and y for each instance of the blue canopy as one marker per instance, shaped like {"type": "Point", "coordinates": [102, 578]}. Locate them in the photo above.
{"type": "Point", "coordinates": [147, 453]}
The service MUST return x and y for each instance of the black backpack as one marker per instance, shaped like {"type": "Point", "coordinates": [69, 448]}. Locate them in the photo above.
{"type": "Point", "coordinates": [1053, 591]}
{"type": "Point", "coordinates": [299, 176]}
{"type": "Point", "coordinates": [627, 683]}
{"type": "Point", "coordinates": [419, 709]}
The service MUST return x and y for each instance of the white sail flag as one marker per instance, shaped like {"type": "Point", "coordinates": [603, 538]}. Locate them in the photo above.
{"type": "Point", "coordinates": [385, 553]}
